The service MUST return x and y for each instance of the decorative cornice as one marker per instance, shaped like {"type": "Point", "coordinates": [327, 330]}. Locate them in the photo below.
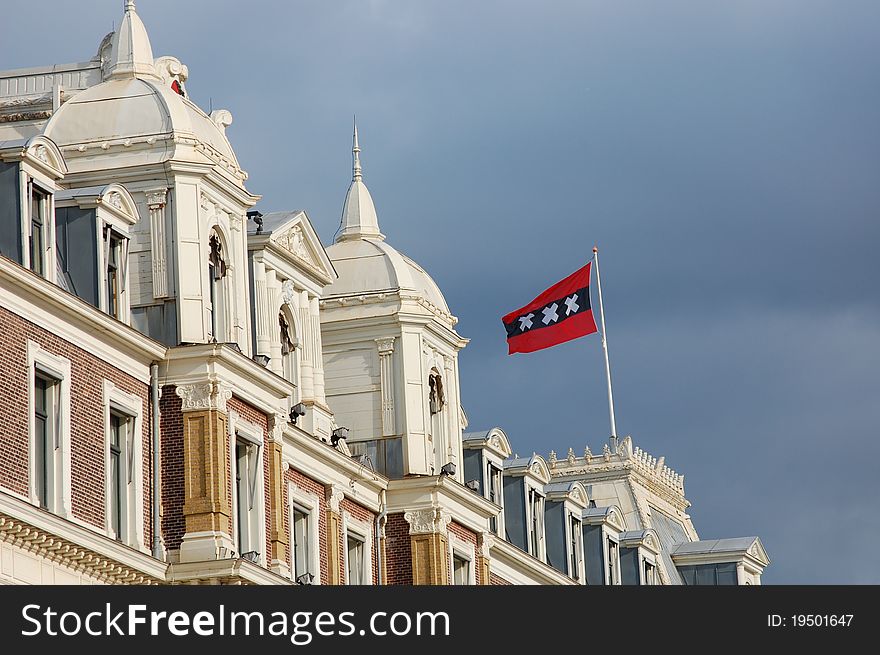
{"type": "Point", "coordinates": [428, 521]}
{"type": "Point", "coordinates": [199, 397]}
{"type": "Point", "coordinates": [61, 551]}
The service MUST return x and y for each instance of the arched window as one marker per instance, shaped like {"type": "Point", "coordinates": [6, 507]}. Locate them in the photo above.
{"type": "Point", "coordinates": [216, 305]}
{"type": "Point", "coordinates": [289, 343]}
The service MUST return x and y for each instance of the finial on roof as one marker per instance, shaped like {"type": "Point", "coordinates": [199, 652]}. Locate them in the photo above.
{"type": "Point", "coordinates": [359, 220]}
{"type": "Point", "coordinates": [357, 172]}
{"type": "Point", "coordinates": [131, 54]}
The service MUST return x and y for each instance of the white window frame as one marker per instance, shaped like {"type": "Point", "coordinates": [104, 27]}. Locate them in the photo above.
{"type": "Point", "coordinates": [608, 539]}
{"type": "Point", "coordinates": [308, 504]}
{"type": "Point", "coordinates": [131, 406]}
{"type": "Point", "coordinates": [573, 517]}
{"type": "Point", "coordinates": [28, 177]}
{"type": "Point", "coordinates": [458, 547]}
{"type": "Point", "coordinates": [361, 530]}
{"type": "Point", "coordinates": [541, 536]}
{"type": "Point", "coordinates": [58, 368]}
{"type": "Point", "coordinates": [242, 429]}
{"type": "Point", "coordinates": [645, 560]}
{"type": "Point", "coordinates": [107, 223]}
{"type": "Point", "coordinates": [497, 464]}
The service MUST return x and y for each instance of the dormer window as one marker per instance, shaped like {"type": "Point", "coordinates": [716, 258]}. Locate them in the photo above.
{"type": "Point", "coordinates": [536, 524]}
{"type": "Point", "coordinates": [613, 569]}
{"type": "Point", "coordinates": [575, 550]}
{"type": "Point", "coordinates": [114, 267]}
{"type": "Point", "coordinates": [493, 492]}
{"type": "Point", "coordinates": [39, 215]}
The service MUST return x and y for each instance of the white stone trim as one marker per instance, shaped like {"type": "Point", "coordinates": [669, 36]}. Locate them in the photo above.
{"type": "Point", "coordinates": [363, 530]}
{"type": "Point", "coordinates": [133, 407]}
{"type": "Point", "coordinates": [310, 504]}
{"type": "Point", "coordinates": [57, 367]}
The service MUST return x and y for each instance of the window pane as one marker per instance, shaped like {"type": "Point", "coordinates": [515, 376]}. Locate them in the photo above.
{"type": "Point", "coordinates": [355, 561]}
{"type": "Point", "coordinates": [460, 570]}
{"type": "Point", "coordinates": [115, 493]}
{"type": "Point", "coordinates": [300, 543]}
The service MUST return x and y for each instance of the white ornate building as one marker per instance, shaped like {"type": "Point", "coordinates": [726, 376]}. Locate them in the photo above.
{"type": "Point", "coordinates": [196, 392]}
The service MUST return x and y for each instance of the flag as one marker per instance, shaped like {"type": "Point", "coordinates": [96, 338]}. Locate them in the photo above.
{"type": "Point", "coordinates": [560, 314]}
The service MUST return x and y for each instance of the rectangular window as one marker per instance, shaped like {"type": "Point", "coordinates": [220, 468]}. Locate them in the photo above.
{"type": "Point", "coordinates": [113, 276]}
{"type": "Point", "coordinates": [613, 563]}
{"type": "Point", "coordinates": [650, 573]}
{"type": "Point", "coordinates": [574, 565]}
{"type": "Point", "coordinates": [536, 528]}
{"type": "Point", "coordinates": [301, 554]}
{"type": "Point", "coordinates": [247, 464]}
{"type": "Point", "coordinates": [39, 210]}
{"type": "Point", "coordinates": [119, 476]}
{"type": "Point", "coordinates": [45, 427]}
{"type": "Point", "coordinates": [461, 570]}
{"type": "Point", "coordinates": [355, 551]}
{"type": "Point", "coordinates": [493, 487]}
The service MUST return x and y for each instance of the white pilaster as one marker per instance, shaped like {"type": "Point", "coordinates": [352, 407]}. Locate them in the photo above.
{"type": "Point", "coordinates": [273, 288]}
{"type": "Point", "coordinates": [307, 359]}
{"type": "Point", "coordinates": [156, 201]}
{"type": "Point", "coordinates": [261, 311]}
{"type": "Point", "coordinates": [386, 382]}
{"type": "Point", "coordinates": [317, 357]}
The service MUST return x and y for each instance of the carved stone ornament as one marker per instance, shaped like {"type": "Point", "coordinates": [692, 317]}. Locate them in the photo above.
{"type": "Point", "coordinates": [571, 456]}
{"type": "Point", "coordinates": [156, 198]}
{"type": "Point", "coordinates": [115, 199]}
{"type": "Point", "coordinates": [42, 154]}
{"type": "Point", "coordinates": [427, 521]}
{"type": "Point", "coordinates": [294, 241]}
{"type": "Point", "coordinates": [205, 396]}
{"type": "Point", "coordinates": [553, 459]}
{"type": "Point", "coordinates": [386, 346]}
{"type": "Point", "coordinates": [288, 291]}
{"type": "Point", "coordinates": [486, 543]}
{"type": "Point", "coordinates": [334, 496]}
{"type": "Point", "coordinates": [276, 427]}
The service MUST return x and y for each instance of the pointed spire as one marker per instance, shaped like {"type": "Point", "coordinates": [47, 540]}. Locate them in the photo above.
{"type": "Point", "coordinates": [131, 54]}
{"type": "Point", "coordinates": [359, 219]}
{"type": "Point", "coordinates": [357, 172]}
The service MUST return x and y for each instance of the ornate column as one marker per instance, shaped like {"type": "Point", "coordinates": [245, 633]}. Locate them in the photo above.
{"type": "Point", "coordinates": [273, 295]}
{"type": "Point", "coordinates": [207, 503]}
{"type": "Point", "coordinates": [317, 355]}
{"type": "Point", "coordinates": [277, 535]}
{"type": "Point", "coordinates": [156, 201]}
{"type": "Point", "coordinates": [307, 355]}
{"type": "Point", "coordinates": [483, 557]}
{"type": "Point", "coordinates": [386, 384]}
{"type": "Point", "coordinates": [334, 496]}
{"type": "Point", "coordinates": [261, 311]}
{"type": "Point", "coordinates": [427, 529]}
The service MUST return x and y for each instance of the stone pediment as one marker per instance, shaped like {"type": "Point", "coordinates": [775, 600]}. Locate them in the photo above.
{"type": "Point", "coordinates": [292, 234]}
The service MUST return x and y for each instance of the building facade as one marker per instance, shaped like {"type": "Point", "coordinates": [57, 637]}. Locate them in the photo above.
{"type": "Point", "coordinates": [194, 392]}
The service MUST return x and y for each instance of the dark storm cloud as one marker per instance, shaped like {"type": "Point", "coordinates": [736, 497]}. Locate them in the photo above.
{"type": "Point", "coordinates": [723, 154]}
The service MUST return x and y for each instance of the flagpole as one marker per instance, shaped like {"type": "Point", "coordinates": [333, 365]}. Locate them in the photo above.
{"type": "Point", "coordinates": [605, 350]}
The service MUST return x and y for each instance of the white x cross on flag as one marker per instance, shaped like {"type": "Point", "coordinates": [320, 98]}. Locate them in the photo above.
{"type": "Point", "coordinates": [525, 322]}
{"type": "Point", "coordinates": [550, 314]}
{"type": "Point", "coordinates": [571, 305]}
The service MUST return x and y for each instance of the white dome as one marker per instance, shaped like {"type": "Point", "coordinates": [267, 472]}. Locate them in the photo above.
{"type": "Point", "coordinates": [130, 108]}
{"type": "Point", "coordinates": [368, 266]}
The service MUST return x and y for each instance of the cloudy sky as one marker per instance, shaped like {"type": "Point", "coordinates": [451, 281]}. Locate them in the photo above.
{"type": "Point", "coordinates": [723, 155]}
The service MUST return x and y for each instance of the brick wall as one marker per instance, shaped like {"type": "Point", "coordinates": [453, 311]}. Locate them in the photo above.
{"type": "Point", "coordinates": [398, 552]}
{"type": "Point", "coordinates": [310, 486]}
{"type": "Point", "coordinates": [470, 537]}
{"type": "Point", "coordinates": [171, 428]}
{"type": "Point", "coordinates": [497, 580]}
{"type": "Point", "coordinates": [87, 437]}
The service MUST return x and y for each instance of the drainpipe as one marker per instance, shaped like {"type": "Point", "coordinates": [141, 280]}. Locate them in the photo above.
{"type": "Point", "coordinates": [380, 522]}
{"type": "Point", "coordinates": [158, 549]}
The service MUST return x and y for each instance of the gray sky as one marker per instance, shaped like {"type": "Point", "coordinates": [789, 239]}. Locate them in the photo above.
{"type": "Point", "coordinates": [724, 155]}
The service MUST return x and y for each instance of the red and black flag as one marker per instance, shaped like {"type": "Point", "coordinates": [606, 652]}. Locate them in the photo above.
{"type": "Point", "coordinates": [560, 314]}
